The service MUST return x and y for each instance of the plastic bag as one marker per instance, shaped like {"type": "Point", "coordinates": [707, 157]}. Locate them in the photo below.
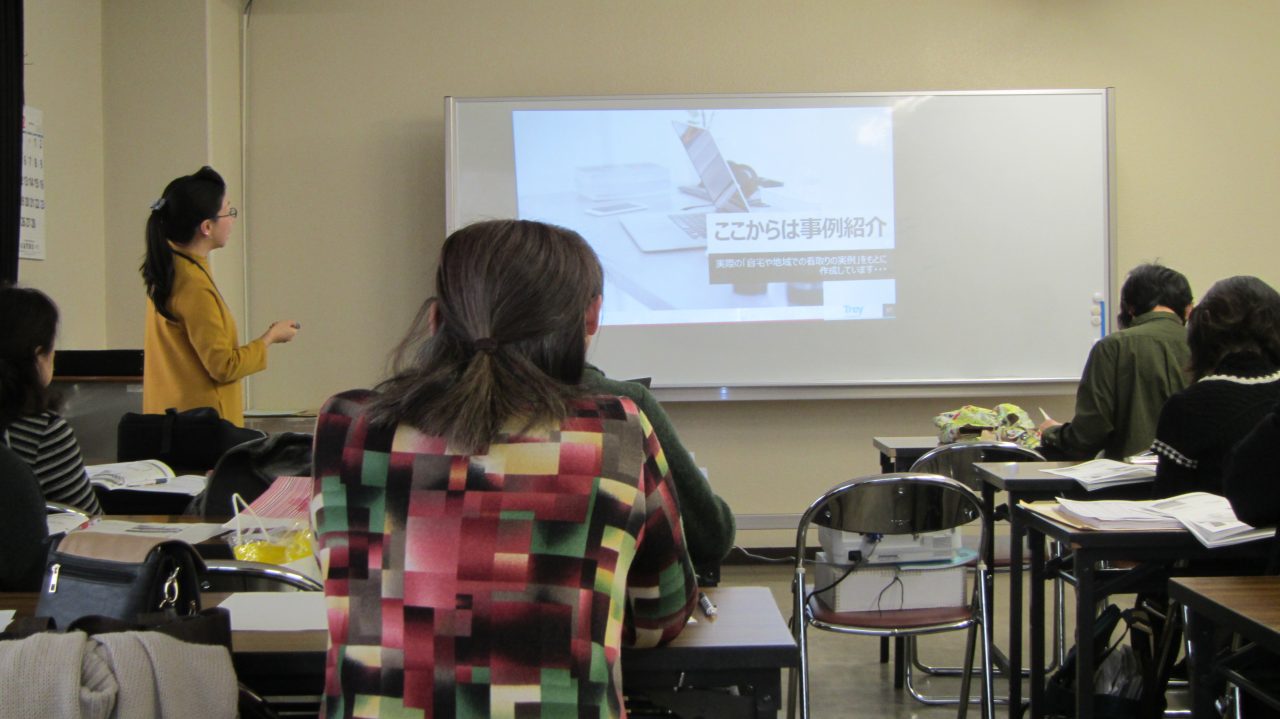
{"type": "Point", "coordinates": [1005, 423]}
{"type": "Point", "coordinates": [291, 545]}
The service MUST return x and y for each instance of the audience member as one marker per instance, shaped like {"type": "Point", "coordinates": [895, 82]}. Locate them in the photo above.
{"type": "Point", "coordinates": [1234, 335]}
{"type": "Point", "coordinates": [708, 522]}
{"type": "Point", "coordinates": [32, 428]}
{"type": "Point", "coordinates": [1252, 476]}
{"type": "Point", "coordinates": [1130, 373]}
{"type": "Point", "coordinates": [491, 534]}
{"type": "Point", "coordinates": [23, 529]}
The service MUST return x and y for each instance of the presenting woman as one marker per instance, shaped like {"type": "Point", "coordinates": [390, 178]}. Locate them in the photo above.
{"type": "Point", "coordinates": [192, 351]}
{"type": "Point", "coordinates": [492, 533]}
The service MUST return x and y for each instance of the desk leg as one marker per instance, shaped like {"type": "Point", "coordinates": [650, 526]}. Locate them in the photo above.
{"type": "Point", "coordinates": [1086, 614]}
{"type": "Point", "coordinates": [1200, 632]}
{"type": "Point", "coordinates": [989, 527]}
{"type": "Point", "coordinates": [888, 464]}
{"type": "Point", "coordinates": [1016, 534]}
{"type": "Point", "coordinates": [1036, 660]}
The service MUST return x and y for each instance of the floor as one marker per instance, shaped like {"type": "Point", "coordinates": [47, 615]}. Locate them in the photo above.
{"type": "Point", "coordinates": [847, 678]}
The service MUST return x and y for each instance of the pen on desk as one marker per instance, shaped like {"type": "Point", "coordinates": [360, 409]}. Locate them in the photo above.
{"type": "Point", "coordinates": [708, 607]}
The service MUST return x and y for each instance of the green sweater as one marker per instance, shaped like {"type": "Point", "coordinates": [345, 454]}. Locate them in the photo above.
{"type": "Point", "coordinates": [1127, 379]}
{"type": "Point", "coordinates": [708, 523]}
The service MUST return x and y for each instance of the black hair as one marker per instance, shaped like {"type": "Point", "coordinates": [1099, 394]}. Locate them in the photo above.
{"type": "Point", "coordinates": [30, 322]}
{"type": "Point", "coordinates": [1150, 285]}
{"type": "Point", "coordinates": [510, 339]}
{"type": "Point", "coordinates": [175, 217]}
{"type": "Point", "coordinates": [1238, 314]}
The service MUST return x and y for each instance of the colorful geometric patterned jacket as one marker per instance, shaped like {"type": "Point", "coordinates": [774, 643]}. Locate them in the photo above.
{"type": "Point", "coordinates": [494, 585]}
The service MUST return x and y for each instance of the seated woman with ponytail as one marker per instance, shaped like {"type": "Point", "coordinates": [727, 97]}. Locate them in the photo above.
{"type": "Point", "coordinates": [490, 533]}
{"type": "Point", "coordinates": [192, 356]}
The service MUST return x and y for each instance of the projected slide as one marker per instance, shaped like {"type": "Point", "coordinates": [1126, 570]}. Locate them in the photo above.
{"type": "Point", "coordinates": [728, 215]}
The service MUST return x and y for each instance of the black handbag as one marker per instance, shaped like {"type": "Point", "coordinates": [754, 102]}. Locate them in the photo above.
{"type": "Point", "coordinates": [119, 576]}
{"type": "Point", "coordinates": [190, 441]}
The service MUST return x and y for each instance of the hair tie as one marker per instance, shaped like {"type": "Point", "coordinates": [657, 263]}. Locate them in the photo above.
{"type": "Point", "coordinates": [157, 205]}
{"type": "Point", "coordinates": [485, 344]}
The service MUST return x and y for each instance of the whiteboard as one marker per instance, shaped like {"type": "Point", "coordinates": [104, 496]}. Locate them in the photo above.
{"type": "Point", "coordinates": [892, 240]}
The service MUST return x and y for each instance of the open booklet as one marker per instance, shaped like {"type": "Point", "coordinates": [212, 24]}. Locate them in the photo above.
{"type": "Point", "coordinates": [1099, 473]}
{"type": "Point", "coordinates": [1207, 516]}
{"type": "Point", "coordinates": [150, 475]}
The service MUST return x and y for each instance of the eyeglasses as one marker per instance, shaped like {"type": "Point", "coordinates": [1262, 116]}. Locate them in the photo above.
{"type": "Point", "coordinates": [233, 213]}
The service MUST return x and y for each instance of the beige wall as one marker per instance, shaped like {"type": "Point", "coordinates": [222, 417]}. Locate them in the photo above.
{"type": "Point", "coordinates": [346, 156]}
{"type": "Point", "coordinates": [135, 92]}
{"type": "Point", "coordinates": [63, 44]}
{"type": "Point", "coordinates": [344, 194]}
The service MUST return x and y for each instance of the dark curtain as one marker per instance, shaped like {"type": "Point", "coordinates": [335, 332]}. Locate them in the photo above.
{"type": "Point", "coordinates": [11, 62]}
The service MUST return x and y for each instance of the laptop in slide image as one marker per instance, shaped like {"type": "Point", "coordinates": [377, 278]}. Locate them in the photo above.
{"type": "Point", "coordinates": [659, 232]}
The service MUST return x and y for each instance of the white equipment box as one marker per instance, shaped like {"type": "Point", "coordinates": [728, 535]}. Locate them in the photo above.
{"type": "Point", "coordinates": [890, 548]}
{"type": "Point", "coordinates": [886, 588]}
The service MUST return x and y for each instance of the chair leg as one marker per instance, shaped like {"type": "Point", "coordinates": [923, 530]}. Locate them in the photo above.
{"type": "Point", "coordinates": [988, 680]}
{"type": "Point", "coordinates": [799, 695]}
{"type": "Point", "coordinates": [966, 678]}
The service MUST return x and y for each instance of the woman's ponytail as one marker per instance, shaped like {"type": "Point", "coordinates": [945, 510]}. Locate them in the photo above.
{"type": "Point", "coordinates": [506, 339]}
{"type": "Point", "coordinates": [157, 267]}
{"type": "Point", "coordinates": [186, 202]}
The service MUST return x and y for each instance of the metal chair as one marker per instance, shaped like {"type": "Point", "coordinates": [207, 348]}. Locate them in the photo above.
{"type": "Point", "coordinates": [893, 504]}
{"type": "Point", "coordinates": [235, 575]}
{"type": "Point", "coordinates": [956, 460]}
{"type": "Point", "coordinates": [52, 507]}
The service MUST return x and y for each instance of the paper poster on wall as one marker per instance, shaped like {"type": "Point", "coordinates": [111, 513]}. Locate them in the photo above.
{"type": "Point", "coordinates": [31, 234]}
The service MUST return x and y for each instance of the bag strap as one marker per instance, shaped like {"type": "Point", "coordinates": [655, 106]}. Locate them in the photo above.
{"type": "Point", "coordinates": [167, 429]}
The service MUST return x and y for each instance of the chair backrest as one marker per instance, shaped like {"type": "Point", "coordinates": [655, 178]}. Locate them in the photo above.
{"type": "Point", "coordinates": [898, 503]}
{"type": "Point", "coordinates": [235, 575]}
{"type": "Point", "coordinates": [956, 460]}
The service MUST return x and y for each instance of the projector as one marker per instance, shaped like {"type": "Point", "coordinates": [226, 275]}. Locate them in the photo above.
{"type": "Point", "coordinates": [891, 548]}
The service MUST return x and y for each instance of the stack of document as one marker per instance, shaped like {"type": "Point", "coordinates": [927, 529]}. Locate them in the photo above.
{"type": "Point", "coordinates": [147, 475]}
{"type": "Point", "coordinates": [1116, 514]}
{"type": "Point", "coordinates": [1100, 473]}
{"type": "Point", "coordinates": [1211, 519]}
{"type": "Point", "coordinates": [1207, 516]}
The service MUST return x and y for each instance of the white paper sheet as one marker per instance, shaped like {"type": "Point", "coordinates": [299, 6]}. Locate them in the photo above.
{"type": "Point", "coordinates": [277, 611]}
{"type": "Point", "coordinates": [61, 522]}
{"type": "Point", "coordinates": [191, 533]}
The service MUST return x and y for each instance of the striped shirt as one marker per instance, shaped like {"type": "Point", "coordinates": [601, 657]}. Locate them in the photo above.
{"type": "Point", "coordinates": [45, 441]}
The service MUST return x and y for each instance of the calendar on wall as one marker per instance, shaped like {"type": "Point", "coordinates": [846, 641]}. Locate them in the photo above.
{"type": "Point", "coordinates": [31, 234]}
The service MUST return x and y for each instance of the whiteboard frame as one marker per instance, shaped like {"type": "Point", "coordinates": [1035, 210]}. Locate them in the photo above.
{"type": "Point", "coordinates": [862, 389]}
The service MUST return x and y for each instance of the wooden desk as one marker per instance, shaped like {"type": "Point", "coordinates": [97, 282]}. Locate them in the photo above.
{"type": "Point", "coordinates": [1248, 606]}
{"type": "Point", "coordinates": [897, 454]}
{"type": "Point", "coordinates": [1154, 550]}
{"type": "Point", "coordinates": [747, 647]}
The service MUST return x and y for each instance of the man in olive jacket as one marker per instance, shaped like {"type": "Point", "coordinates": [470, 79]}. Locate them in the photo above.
{"type": "Point", "coordinates": [1129, 374]}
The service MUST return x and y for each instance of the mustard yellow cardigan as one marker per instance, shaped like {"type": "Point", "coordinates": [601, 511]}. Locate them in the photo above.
{"type": "Point", "coordinates": [198, 360]}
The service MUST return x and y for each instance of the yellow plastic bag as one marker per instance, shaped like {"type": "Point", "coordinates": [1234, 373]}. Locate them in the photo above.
{"type": "Point", "coordinates": [292, 545]}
